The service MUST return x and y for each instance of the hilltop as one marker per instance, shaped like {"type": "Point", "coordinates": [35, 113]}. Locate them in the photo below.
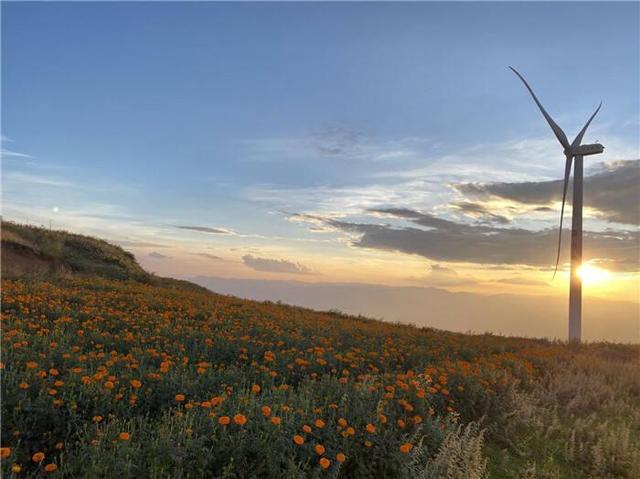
{"type": "Point", "coordinates": [110, 371]}
{"type": "Point", "coordinates": [40, 253]}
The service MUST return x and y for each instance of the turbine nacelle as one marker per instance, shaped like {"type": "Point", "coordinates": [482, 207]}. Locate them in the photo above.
{"type": "Point", "coordinates": [586, 150]}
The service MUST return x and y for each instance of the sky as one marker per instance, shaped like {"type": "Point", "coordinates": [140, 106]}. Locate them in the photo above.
{"type": "Point", "coordinates": [330, 143]}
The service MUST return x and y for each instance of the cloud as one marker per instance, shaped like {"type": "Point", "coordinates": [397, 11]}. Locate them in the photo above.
{"type": "Point", "coordinates": [4, 153]}
{"type": "Point", "coordinates": [439, 239]}
{"type": "Point", "coordinates": [479, 211]}
{"type": "Point", "coordinates": [611, 188]}
{"type": "Point", "coordinates": [337, 141]}
{"type": "Point", "coordinates": [522, 281]}
{"type": "Point", "coordinates": [209, 256]}
{"type": "Point", "coordinates": [274, 265]}
{"type": "Point", "coordinates": [443, 276]}
{"type": "Point", "coordinates": [206, 229]}
{"type": "Point", "coordinates": [156, 255]}
{"type": "Point", "coordinates": [139, 244]}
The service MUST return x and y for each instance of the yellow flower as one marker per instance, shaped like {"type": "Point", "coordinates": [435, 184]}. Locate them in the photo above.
{"type": "Point", "coordinates": [97, 418]}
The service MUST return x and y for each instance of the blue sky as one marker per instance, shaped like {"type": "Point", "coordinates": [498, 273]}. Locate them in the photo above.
{"type": "Point", "coordinates": [135, 118]}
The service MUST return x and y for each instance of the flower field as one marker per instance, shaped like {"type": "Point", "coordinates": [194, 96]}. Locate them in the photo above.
{"type": "Point", "coordinates": [122, 379]}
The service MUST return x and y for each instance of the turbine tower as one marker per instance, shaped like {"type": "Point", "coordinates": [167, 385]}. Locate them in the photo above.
{"type": "Point", "coordinates": [572, 151]}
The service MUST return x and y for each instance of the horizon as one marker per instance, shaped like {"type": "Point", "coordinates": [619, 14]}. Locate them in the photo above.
{"type": "Point", "coordinates": [379, 144]}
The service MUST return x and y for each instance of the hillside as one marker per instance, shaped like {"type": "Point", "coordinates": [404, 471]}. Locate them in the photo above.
{"type": "Point", "coordinates": [108, 371]}
{"type": "Point", "coordinates": [507, 314]}
{"type": "Point", "coordinates": [39, 253]}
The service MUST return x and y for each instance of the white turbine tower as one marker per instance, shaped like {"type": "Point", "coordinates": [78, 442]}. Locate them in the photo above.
{"type": "Point", "coordinates": [571, 151]}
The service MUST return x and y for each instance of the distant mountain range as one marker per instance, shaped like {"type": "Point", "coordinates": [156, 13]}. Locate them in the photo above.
{"type": "Point", "coordinates": [509, 314]}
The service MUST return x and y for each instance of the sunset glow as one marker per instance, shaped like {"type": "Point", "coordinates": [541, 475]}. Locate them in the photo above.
{"type": "Point", "coordinates": [593, 275]}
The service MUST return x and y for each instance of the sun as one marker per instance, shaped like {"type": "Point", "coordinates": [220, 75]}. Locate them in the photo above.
{"type": "Point", "coordinates": [592, 274]}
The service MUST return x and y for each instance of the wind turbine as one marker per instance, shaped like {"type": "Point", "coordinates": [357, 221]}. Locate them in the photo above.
{"type": "Point", "coordinates": [572, 151]}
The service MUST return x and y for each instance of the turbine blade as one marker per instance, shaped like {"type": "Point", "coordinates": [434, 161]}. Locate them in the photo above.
{"type": "Point", "coordinates": [567, 173]}
{"type": "Point", "coordinates": [578, 139]}
{"type": "Point", "coordinates": [562, 138]}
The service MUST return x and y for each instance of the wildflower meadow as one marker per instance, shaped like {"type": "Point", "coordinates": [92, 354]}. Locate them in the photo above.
{"type": "Point", "coordinates": [108, 378]}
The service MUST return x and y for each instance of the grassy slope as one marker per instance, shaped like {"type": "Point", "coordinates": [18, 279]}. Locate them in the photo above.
{"type": "Point", "coordinates": [547, 410]}
{"type": "Point", "coordinates": [39, 253]}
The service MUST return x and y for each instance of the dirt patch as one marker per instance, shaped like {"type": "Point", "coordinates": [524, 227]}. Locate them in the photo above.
{"type": "Point", "coordinates": [21, 260]}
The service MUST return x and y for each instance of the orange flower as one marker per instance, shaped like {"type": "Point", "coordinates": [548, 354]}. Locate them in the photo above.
{"type": "Point", "coordinates": [401, 424]}
{"type": "Point", "coordinates": [350, 431]}
{"type": "Point", "coordinates": [319, 423]}
{"type": "Point", "coordinates": [371, 428]}
{"type": "Point", "coordinates": [37, 457]}
{"type": "Point", "coordinates": [324, 463]}
{"type": "Point", "coordinates": [32, 365]}
{"type": "Point", "coordinates": [50, 467]}
{"type": "Point", "coordinates": [59, 446]}
{"type": "Point", "coordinates": [97, 418]}
{"type": "Point", "coordinates": [239, 419]}
{"type": "Point", "coordinates": [224, 420]}
{"type": "Point", "coordinates": [406, 447]}
{"type": "Point", "coordinates": [124, 436]}
{"type": "Point", "coordinates": [23, 385]}
{"type": "Point", "coordinates": [276, 420]}
{"type": "Point", "coordinates": [342, 422]}
{"type": "Point", "coordinates": [5, 452]}
{"type": "Point", "coordinates": [135, 384]}
{"type": "Point", "coordinates": [179, 397]}
{"type": "Point", "coordinates": [319, 449]}
{"type": "Point", "coordinates": [306, 428]}
{"type": "Point", "coordinates": [340, 457]}
{"type": "Point", "coordinates": [266, 411]}
{"type": "Point", "coordinates": [255, 389]}
{"type": "Point", "coordinates": [109, 385]}
{"type": "Point", "coordinates": [299, 440]}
